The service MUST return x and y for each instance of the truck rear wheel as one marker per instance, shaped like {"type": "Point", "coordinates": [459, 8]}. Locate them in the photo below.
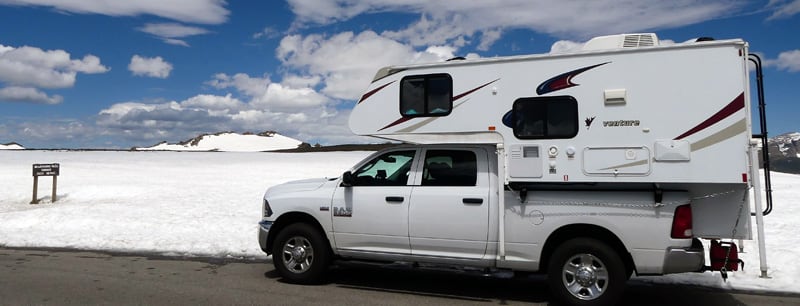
{"type": "Point", "coordinates": [301, 254]}
{"type": "Point", "coordinates": [586, 271]}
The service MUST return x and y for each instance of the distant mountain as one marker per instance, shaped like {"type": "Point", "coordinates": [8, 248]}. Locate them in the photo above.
{"type": "Point", "coordinates": [11, 146]}
{"type": "Point", "coordinates": [229, 142]}
{"type": "Point", "coordinates": [784, 153]}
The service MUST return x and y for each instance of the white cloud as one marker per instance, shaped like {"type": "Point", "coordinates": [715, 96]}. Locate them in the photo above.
{"type": "Point", "coordinates": [154, 67]}
{"type": "Point", "coordinates": [212, 102]}
{"type": "Point", "coordinates": [250, 86]}
{"type": "Point", "coordinates": [783, 9]}
{"type": "Point", "coordinates": [195, 11]}
{"type": "Point", "coordinates": [267, 32]}
{"type": "Point", "coordinates": [280, 97]}
{"type": "Point", "coordinates": [488, 38]}
{"type": "Point", "coordinates": [27, 94]}
{"type": "Point", "coordinates": [449, 23]}
{"type": "Point", "coordinates": [147, 123]}
{"type": "Point", "coordinates": [176, 42]}
{"type": "Point", "coordinates": [565, 46]}
{"type": "Point", "coordinates": [170, 32]}
{"type": "Point", "coordinates": [788, 60]}
{"type": "Point", "coordinates": [339, 60]}
{"type": "Point", "coordinates": [34, 67]}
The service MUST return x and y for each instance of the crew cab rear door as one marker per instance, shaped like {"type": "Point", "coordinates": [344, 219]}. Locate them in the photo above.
{"type": "Point", "coordinates": [449, 211]}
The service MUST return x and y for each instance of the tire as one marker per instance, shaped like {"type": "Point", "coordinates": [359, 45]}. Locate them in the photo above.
{"type": "Point", "coordinates": [586, 271]}
{"type": "Point", "coordinates": [301, 254]}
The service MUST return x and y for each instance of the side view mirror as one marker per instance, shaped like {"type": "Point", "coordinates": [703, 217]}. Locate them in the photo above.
{"type": "Point", "coordinates": [348, 179]}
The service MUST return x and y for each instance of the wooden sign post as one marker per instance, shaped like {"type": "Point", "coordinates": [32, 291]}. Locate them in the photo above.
{"type": "Point", "coordinates": [45, 170]}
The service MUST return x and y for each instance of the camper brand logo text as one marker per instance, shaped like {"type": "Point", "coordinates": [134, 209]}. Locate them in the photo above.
{"type": "Point", "coordinates": [620, 123]}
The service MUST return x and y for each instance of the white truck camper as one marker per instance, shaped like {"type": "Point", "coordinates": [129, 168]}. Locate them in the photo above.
{"type": "Point", "coordinates": [587, 167]}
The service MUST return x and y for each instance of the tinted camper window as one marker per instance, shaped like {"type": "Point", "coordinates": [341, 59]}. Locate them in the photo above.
{"type": "Point", "coordinates": [426, 95]}
{"type": "Point", "coordinates": [545, 117]}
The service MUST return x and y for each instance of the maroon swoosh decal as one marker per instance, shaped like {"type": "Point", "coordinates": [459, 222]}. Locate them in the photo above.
{"type": "Point", "coordinates": [725, 112]}
{"type": "Point", "coordinates": [404, 119]}
{"type": "Point", "coordinates": [372, 92]}
{"type": "Point", "coordinates": [562, 81]}
{"type": "Point", "coordinates": [473, 90]}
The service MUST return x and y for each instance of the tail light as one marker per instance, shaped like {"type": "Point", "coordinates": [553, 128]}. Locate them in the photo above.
{"type": "Point", "coordinates": [682, 222]}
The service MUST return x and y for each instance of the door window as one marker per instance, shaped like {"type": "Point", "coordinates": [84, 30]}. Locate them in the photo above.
{"type": "Point", "coordinates": [450, 168]}
{"type": "Point", "coordinates": [389, 169]}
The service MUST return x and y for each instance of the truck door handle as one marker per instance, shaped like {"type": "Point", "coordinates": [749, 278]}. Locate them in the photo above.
{"type": "Point", "coordinates": [472, 201]}
{"type": "Point", "coordinates": [394, 199]}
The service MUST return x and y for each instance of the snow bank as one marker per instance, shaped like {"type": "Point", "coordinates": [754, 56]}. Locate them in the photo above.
{"type": "Point", "coordinates": [11, 146]}
{"type": "Point", "coordinates": [230, 142]}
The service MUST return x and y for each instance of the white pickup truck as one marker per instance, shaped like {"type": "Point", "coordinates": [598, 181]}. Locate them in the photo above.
{"type": "Point", "coordinates": [619, 161]}
{"type": "Point", "coordinates": [438, 204]}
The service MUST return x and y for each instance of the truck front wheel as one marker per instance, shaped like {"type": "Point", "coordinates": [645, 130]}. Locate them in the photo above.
{"type": "Point", "coordinates": [586, 271]}
{"type": "Point", "coordinates": [300, 254]}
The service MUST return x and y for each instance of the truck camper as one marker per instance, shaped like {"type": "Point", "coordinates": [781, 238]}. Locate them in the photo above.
{"type": "Point", "coordinates": [588, 166]}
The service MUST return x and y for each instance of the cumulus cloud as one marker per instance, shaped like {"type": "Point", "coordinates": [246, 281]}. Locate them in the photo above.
{"type": "Point", "coordinates": [194, 11]}
{"type": "Point", "coordinates": [28, 94]}
{"type": "Point", "coordinates": [338, 61]}
{"type": "Point", "coordinates": [147, 123]}
{"type": "Point", "coordinates": [788, 60]}
{"type": "Point", "coordinates": [24, 71]}
{"type": "Point", "coordinates": [30, 66]}
{"type": "Point", "coordinates": [170, 32]}
{"type": "Point", "coordinates": [250, 86]}
{"type": "Point", "coordinates": [155, 67]}
{"type": "Point", "coordinates": [447, 23]}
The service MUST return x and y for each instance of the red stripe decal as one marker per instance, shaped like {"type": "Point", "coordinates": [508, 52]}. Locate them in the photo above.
{"type": "Point", "coordinates": [473, 90]}
{"type": "Point", "coordinates": [725, 112]}
{"type": "Point", "coordinates": [372, 92]}
{"type": "Point", "coordinates": [404, 119]}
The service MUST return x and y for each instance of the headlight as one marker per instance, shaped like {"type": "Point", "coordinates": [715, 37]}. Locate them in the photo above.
{"type": "Point", "coordinates": [267, 209]}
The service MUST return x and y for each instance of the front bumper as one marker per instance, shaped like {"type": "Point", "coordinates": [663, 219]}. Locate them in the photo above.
{"type": "Point", "coordinates": [263, 234]}
{"type": "Point", "coordinates": [691, 259]}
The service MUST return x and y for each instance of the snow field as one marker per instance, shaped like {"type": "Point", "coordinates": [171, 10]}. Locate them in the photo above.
{"type": "Point", "coordinates": [208, 204]}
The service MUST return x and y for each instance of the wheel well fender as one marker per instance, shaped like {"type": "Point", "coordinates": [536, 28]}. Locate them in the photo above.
{"type": "Point", "coordinates": [571, 231]}
{"type": "Point", "coordinates": [290, 218]}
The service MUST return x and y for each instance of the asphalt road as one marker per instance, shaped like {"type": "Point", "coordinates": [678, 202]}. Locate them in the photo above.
{"type": "Point", "coordinates": [50, 277]}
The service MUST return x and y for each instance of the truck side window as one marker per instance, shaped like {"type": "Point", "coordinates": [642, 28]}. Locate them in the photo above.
{"type": "Point", "coordinates": [450, 168]}
{"type": "Point", "coordinates": [426, 95]}
{"type": "Point", "coordinates": [545, 117]}
{"type": "Point", "coordinates": [389, 169]}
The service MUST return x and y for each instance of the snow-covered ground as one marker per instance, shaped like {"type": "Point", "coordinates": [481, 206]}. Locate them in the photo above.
{"type": "Point", "coordinates": [208, 204]}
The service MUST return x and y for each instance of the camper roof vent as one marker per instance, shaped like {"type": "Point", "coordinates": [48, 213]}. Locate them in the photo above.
{"type": "Point", "coordinates": [622, 41]}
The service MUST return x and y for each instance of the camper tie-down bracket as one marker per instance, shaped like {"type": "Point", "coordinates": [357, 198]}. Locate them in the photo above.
{"type": "Point", "coordinates": [658, 197]}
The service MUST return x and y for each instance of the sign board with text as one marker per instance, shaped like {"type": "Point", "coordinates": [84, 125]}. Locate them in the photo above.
{"type": "Point", "coordinates": [46, 169]}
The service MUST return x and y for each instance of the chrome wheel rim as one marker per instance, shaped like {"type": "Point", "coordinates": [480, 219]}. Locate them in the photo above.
{"type": "Point", "coordinates": [298, 254]}
{"type": "Point", "coordinates": [585, 276]}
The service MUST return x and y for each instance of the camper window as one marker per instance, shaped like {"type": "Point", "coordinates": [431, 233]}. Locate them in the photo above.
{"type": "Point", "coordinates": [426, 95]}
{"type": "Point", "coordinates": [545, 117]}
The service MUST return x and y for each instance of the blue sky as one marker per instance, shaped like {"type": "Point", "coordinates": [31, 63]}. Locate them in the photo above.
{"type": "Point", "coordinates": [116, 74]}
